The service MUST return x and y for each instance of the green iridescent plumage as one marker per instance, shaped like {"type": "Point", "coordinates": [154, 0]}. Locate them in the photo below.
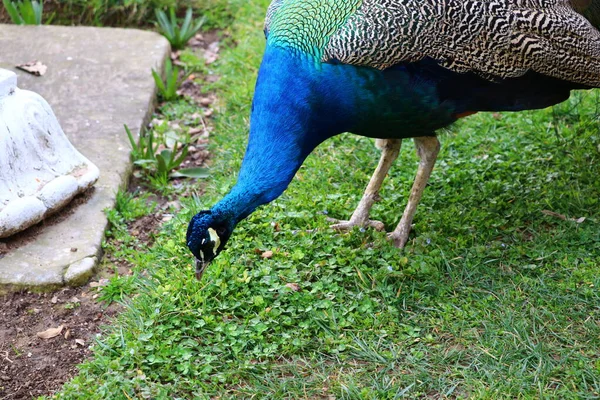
{"type": "Point", "coordinates": [307, 25]}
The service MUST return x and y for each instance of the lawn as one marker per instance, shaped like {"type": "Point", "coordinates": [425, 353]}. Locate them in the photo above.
{"type": "Point", "coordinates": [495, 296]}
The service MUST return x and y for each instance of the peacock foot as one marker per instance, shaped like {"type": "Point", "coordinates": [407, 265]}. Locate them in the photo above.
{"type": "Point", "coordinates": [340, 225]}
{"type": "Point", "coordinates": [400, 236]}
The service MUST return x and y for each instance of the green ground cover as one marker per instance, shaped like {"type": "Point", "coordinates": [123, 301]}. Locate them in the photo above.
{"type": "Point", "coordinates": [492, 297]}
{"type": "Point", "coordinates": [126, 13]}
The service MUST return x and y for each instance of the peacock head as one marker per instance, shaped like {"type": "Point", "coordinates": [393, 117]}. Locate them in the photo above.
{"type": "Point", "coordinates": [206, 236]}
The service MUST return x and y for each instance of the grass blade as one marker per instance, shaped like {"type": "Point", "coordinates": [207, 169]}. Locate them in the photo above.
{"type": "Point", "coordinates": [198, 173]}
{"type": "Point", "coordinates": [12, 11]}
{"type": "Point", "coordinates": [185, 27]}
{"type": "Point", "coordinates": [134, 146]}
{"type": "Point", "coordinates": [159, 83]}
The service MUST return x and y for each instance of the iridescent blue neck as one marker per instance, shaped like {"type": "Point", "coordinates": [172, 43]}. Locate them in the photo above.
{"type": "Point", "coordinates": [291, 115]}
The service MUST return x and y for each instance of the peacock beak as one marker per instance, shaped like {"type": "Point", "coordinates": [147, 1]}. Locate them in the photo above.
{"type": "Point", "coordinates": [200, 267]}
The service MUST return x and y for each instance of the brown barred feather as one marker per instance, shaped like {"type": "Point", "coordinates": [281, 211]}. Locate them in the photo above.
{"type": "Point", "coordinates": [494, 38]}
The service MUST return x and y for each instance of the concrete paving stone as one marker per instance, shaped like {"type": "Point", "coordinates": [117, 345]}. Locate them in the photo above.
{"type": "Point", "coordinates": [79, 272]}
{"type": "Point", "coordinates": [97, 80]}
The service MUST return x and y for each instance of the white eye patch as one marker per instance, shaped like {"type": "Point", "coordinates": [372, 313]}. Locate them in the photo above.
{"type": "Point", "coordinates": [214, 237]}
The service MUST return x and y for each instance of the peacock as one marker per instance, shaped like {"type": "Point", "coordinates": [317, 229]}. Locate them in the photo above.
{"type": "Point", "coordinates": [390, 70]}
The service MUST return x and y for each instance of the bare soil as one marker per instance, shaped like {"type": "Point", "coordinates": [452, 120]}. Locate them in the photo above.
{"type": "Point", "coordinates": [31, 366]}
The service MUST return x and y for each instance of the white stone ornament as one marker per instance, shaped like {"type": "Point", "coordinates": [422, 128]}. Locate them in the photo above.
{"type": "Point", "coordinates": [40, 170]}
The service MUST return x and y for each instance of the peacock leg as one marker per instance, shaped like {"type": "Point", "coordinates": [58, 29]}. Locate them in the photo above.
{"type": "Point", "coordinates": [360, 217]}
{"type": "Point", "coordinates": [427, 149]}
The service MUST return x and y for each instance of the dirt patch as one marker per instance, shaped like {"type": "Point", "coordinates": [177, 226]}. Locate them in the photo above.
{"type": "Point", "coordinates": [31, 366]}
{"type": "Point", "coordinates": [205, 45]}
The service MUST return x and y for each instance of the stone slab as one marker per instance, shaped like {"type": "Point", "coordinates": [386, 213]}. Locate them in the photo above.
{"type": "Point", "coordinates": [97, 80]}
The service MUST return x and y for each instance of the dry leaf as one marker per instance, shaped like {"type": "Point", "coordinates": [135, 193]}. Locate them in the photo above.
{"type": "Point", "coordinates": [100, 283]}
{"type": "Point", "coordinates": [50, 333]}
{"type": "Point", "coordinates": [54, 300]}
{"type": "Point", "coordinates": [205, 101]}
{"type": "Point", "coordinates": [34, 68]}
{"type": "Point", "coordinates": [554, 214]}
{"type": "Point", "coordinates": [194, 131]}
{"type": "Point", "coordinates": [563, 217]}
{"type": "Point", "coordinates": [211, 54]}
{"type": "Point", "coordinates": [267, 254]}
{"type": "Point", "coordinates": [294, 286]}
{"type": "Point", "coordinates": [67, 334]}
{"type": "Point", "coordinates": [80, 342]}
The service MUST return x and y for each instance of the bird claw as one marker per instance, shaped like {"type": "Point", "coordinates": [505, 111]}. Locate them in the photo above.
{"type": "Point", "coordinates": [340, 225]}
{"type": "Point", "coordinates": [399, 237]}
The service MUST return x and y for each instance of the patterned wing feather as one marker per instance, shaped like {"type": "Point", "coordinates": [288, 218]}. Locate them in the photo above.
{"type": "Point", "coordinates": [494, 38]}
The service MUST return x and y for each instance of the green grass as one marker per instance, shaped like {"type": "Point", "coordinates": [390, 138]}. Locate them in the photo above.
{"type": "Point", "coordinates": [491, 299]}
{"type": "Point", "coordinates": [129, 13]}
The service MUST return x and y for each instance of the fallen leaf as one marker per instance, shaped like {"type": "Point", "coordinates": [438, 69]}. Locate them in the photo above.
{"type": "Point", "coordinates": [67, 334]}
{"type": "Point", "coordinates": [206, 101]}
{"type": "Point", "coordinates": [34, 68]}
{"type": "Point", "coordinates": [294, 286]}
{"type": "Point", "coordinates": [54, 300]}
{"type": "Point", "coordinates": [175, 205]}
{"type": "Point", "coordinates": [80, 342]}
{"type": "Point", "coordinates": [212, 53]}
{"type": "Point", "coordinates": [554, 214]}
{"type": "Point", "coordinates": [100, 283]}
{"type": "Point", "coordinates": [50, 333]}
{"type": "Point", "coordinates": [156, 122]}
{"type": "Point", "coordinates": [563, 217]}
{"type": "Point", "coordinates": [267, 254]}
